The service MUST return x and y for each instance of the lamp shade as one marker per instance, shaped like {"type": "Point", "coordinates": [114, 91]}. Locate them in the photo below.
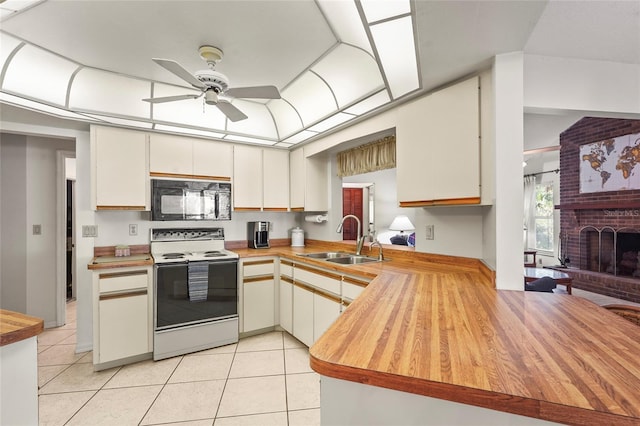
{"type": "Point", "coordinates": [401, 223]}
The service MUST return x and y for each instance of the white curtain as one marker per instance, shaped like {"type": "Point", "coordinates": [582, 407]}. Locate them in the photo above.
{"type": "Point", "coordinates": [529, 206]}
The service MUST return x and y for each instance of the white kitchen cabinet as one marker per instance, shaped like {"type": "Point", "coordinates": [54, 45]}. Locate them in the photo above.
{"type": "Point", "coordinates": [189, 158]}
{"type": "Point", "coordinates": [286, 304]}
{"type": "Point", "coordinates": [275, 167]}
{"type": "Point", "coordinates": [258, 294]}
{"type": "Point", "coordinates": [286, 296]}
{"type": "Point", "coordinates": [122, 316]}
{"type": "Point", "coordinates": [120, 171]}
{"type": "Point", "coordinates": [438, 148]}
{"type": "Point", "coordinates": [326, 309]}
{"type": "Point", "coordinates": [296, 179]}
{"type": "Point", "coordinates": [212, 160]}
{"type": "Point", "coordinates": [247, 178]}
{"type": "Point", "coordinates": [308, 182]}
{"type": "Point", "coordinates": [303, 313]}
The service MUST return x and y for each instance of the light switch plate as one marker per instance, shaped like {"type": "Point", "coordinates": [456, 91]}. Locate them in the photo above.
{"type": "Point", "coordinates": [429, 232]}
{"type": "Point", "coordinates": [37, 229]}
{"type": "Point", "coordinates": [89, 230]}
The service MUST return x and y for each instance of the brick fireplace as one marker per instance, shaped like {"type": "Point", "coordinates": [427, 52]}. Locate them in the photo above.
{"type": "Point", "coordinates": [599, 231]}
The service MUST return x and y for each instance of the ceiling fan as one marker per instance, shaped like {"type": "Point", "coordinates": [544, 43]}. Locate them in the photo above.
{"type": "Point", "coordinates": [212, 84]}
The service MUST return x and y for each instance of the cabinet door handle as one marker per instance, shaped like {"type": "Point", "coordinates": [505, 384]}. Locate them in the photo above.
{"type": "Point", "coordinates": [122, 295]}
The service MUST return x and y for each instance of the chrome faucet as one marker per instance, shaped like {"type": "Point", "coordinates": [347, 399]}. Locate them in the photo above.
{"type": "Point", "coordinates": [377, 243]}
{"type": "Point", "coordinates": [359, 238]}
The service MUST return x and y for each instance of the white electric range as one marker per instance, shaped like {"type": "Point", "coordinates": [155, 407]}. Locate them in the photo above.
{"type": "Point", "coordinates": [195, 291]}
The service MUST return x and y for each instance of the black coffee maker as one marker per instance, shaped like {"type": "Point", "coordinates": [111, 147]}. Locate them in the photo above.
{"type": "Point", "coordinates": [258, 234]}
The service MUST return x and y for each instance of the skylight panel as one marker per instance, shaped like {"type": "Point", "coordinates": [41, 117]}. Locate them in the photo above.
{"type": "Point", "coordinates": [332, 122]}
{"type": "Point", "coordinates": [369, 104]}
{"type": "Point", "coordinates": [287, 119]}
{"type": "Point", "coordinates": [377, 10]}
{"type": "Point", "coordinates": [101, 91]}
{"type": "Point", "coordinates": [38, 74]}
{"type": "Point", "coordinates": [350, 72]}
{"type": "Point", "coordinates": [311, 97]}
{"type": "Point", "coordinates": [259, 121]}
{"type": "Point", "coordinates": [396, 47]}
{"type": "Point", "coordinates": [300, 137]}
{"type": "Point", "coordinates": [345, 21]}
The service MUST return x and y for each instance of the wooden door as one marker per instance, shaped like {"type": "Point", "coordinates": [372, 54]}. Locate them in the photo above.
{"type": "Point", "coordinates": [351, 204]}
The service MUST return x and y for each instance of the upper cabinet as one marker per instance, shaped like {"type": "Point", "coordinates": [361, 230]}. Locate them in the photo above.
{"type": "Point", "coordinates": [247, 178]}
{"type": "Point", "coordinates": [309, 182]}
{"type": "Point", "coordinates": [119, 172]}
{"type": "Point", "coordinates": [189, 158]}
{"type": "Point", "coordinates": [261, 179]}
{"type": "Point", "coordinates": [438, 148]}
{"type": "Point", "coordinates": [275, 173]}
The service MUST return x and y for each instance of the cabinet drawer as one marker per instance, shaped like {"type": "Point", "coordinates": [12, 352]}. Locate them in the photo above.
{"type": "Point", "coordinates": [256, 268]}
{"type": "Point", "coordinates": [317, 278]}
{"type": "Point", "coordinates": [286, 269]}
{"type": "Point", "coordinates": [120, 281]}
{"type": "Point", "coordinates": [351, 288]}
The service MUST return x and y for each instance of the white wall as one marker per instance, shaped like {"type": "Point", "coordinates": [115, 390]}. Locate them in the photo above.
{"type": "Point", "coordinates": [581, 85]}
{"type": "Point", "coordinates": [13, 225]}
{"type": "Point", "coordinates": [509, 143]}
{"type": "Point", "coordinates": [113, 226]}
{"type": "Point", "coordinates": [29, 265]}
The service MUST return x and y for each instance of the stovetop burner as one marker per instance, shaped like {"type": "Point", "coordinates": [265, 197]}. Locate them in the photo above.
{"type": "Point", "coordinates": [189, 245]}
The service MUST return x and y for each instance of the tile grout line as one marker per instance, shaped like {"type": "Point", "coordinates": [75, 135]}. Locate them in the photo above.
{"type": "Point", "coordinates": [215, 416]}
{"type": "Point", "coordinates": [160, 391]}
{"type": "Point", "coordinates": [286, 393]}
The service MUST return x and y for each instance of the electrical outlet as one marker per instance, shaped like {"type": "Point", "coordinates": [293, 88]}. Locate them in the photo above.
{"type": "Point", "coordinates": [133, 229]}
{"type": "Point", "coordinates": [37, 229]}
{"type": "Point", "coordinates": [429, 232]}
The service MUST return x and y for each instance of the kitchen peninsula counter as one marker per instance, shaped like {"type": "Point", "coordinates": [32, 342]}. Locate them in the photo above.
{"type": "Point", "coordinates": [435, 326]}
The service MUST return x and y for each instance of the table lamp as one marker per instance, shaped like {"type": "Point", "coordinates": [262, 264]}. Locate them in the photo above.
{"type": "Point", "coordinates": [402, 223]}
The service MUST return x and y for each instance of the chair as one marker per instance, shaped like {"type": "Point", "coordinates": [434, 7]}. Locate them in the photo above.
{"type": "Point", "coordinates": [628, 312]}
{"type": "Point", "coordinates": [544, 284]}
{"type": "Point", "coordinates": [532, 263]}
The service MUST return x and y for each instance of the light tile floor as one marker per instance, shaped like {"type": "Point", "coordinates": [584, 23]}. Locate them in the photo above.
{"type": "Point", "coordinates": [261, 380]}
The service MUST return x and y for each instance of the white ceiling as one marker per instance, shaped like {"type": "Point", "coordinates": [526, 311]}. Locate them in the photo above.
{"type": "Point", "coordinates": [274, 42]}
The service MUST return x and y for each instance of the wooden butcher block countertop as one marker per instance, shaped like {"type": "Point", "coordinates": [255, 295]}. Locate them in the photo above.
{"type": "Point", "coordinates": [15, 327]}
{"type": "Point", "coordinates": [435, 326]}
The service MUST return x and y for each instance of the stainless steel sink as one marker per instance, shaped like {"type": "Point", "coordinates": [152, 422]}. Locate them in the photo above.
{"type": "Point", "coordinates": [353, 260]}
{"type": "Point", "coordinates": [327, 255]}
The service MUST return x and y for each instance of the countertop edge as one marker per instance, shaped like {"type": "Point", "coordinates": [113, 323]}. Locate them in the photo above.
{"type": "Point", "coordinates": [26, 326]}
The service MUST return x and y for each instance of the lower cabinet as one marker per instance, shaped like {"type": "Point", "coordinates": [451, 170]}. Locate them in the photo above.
{"type": "Point", "coordinates": [258, 294]}
{"type": "Point", "coordinates": [286, 304]}
{"type": "Point", "coordinates": [122, 316]}
{"type": "Point", "coordinates": [326, 309]}
{"type": "Point", "coordinates": [303, 314]}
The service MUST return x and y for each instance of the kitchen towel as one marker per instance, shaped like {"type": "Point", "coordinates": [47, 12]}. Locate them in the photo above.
{"type": "Point", "coordinates": [198, 281]}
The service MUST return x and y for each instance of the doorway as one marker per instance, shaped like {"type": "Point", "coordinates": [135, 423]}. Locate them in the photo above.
{"type": "Point", "coordinates": [65, 233]}
{"type": "Point", "coordinates": [352, 202]}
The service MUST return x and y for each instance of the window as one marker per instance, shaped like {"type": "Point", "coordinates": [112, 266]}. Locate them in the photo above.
{"type": "Point", "coordinates": [543, 216]}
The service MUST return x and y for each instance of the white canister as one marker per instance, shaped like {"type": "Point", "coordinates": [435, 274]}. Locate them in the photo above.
{"type": "Point", "coordinates": [297, 237]}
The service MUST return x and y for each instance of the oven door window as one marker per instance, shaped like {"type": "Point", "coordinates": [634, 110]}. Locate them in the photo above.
{"type": "Point", "coordinates": [210, 293]}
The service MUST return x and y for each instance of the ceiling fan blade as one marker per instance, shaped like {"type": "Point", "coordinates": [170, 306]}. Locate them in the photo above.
{"type": "Point", "coordinates": [171, 98]}
{"type": "Point", "coordinates": [256, 92]}
{"type": "Point", "coordinates": [177, 69]}
{"type": "Point", "coordinates": [232, 113]}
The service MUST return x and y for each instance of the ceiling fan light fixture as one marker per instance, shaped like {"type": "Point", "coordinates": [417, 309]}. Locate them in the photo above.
{"type": "Point", "coordinates": [210, 54]}
{"type": "Point", "coordinates": [210, 97]}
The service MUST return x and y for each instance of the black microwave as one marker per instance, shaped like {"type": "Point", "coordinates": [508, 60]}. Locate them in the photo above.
{"type": "Point", "coordinates": [190, 200]}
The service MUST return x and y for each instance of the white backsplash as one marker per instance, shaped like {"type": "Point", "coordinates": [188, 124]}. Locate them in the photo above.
{"type": "Point", "coordinates": [113, 226]}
